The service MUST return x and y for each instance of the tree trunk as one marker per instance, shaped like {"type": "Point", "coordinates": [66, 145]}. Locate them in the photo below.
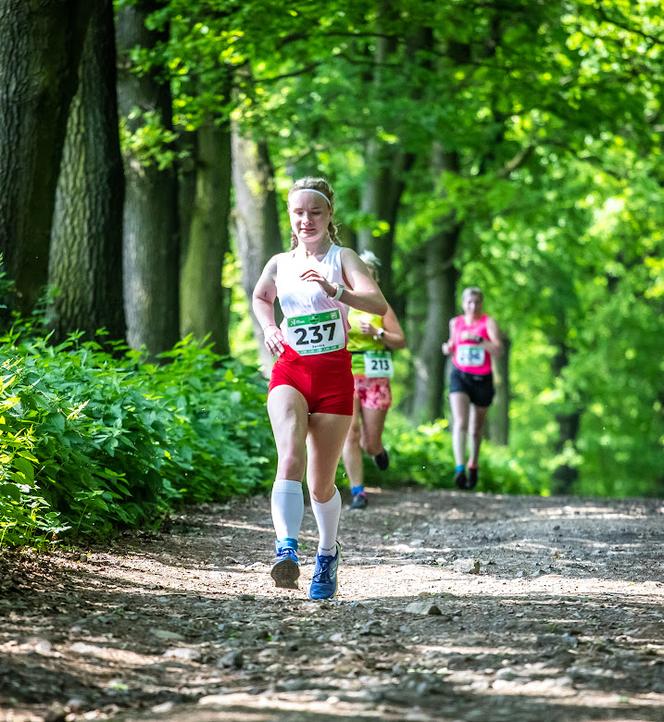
{"type": "Point", "coordinates": [428, 360]}
{"type": "Point", "coordinates": [40, 46]}
{"type": "Point", "coordinates": [385, 164]}
{"type": "Point", "coordinates": [256, 218]}
{"type": "Point", "coordinates": [440, 279]}
{"type": "Point", "coordinates": [498, 419]}
{"type": "Point", "coordinates": [201, 292]}
{"type": "Point", "coordinates": [569, 421]}
{"type": "Point", "coordinates": [151, 253]}
{"type": "Point", "coordinates": [86, 243]}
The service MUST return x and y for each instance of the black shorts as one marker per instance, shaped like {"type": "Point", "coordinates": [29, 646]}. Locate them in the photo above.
{"type": "Point", "coordinates": [479, 389]}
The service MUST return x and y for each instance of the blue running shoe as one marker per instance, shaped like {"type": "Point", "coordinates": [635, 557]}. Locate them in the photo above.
{"type": "Point", "coordinates": [286, 567]}
{"type": "Point", "coordinates": [360, 501]}
{"type": "Point", "coordinates": [324, 580]}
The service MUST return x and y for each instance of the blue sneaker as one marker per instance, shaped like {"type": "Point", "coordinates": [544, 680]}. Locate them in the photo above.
{"type": "Point", "coordinates": [286, 568]}
{"type": "Point", "coordinates": [324, 580]}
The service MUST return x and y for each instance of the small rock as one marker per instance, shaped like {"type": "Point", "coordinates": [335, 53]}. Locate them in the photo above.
{"type": "Point", "coordinates": [185, 653]}
{"type": "Point", "coordinates": [163, 708]}
{"type": "Point", "coordinates": [232, 660]}
{"type": "Point", "coordinates": [165, 634]}
{"type": "Point", "coordinates": [429, 608]}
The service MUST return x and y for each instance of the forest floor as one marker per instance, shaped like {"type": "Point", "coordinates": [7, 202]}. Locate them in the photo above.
{"type": "Point", "coordinates": [452, 606]}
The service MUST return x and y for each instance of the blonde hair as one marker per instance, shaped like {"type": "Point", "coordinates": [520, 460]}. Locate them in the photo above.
{"type": "Point", "coordinates": [472, 291]}
{"type": "Point", "coordinates": [320, 185]}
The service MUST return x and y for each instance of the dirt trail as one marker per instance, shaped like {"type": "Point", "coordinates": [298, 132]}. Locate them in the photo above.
{"type": "Point", "coordinates": [451, 607]}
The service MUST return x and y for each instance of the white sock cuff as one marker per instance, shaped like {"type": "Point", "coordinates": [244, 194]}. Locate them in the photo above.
{"type": "Point", "coordinates": [287, 486]}
{"type": "Point", "coordinates": [331, 502]}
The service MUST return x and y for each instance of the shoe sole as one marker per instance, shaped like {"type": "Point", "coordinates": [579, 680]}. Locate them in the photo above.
{"type": "Point", "coordinates": [462, 482]}
{"type": "Point", "coordinates": [285, 574]}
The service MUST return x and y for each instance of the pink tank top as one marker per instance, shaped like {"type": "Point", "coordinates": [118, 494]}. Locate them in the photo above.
{"type": "Point", "coordinates": [468, 356]}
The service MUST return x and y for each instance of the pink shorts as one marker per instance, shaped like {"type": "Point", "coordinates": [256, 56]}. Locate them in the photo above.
{"type": "Point", "coordinates": [373, 393]}
{"type": "Point", "coordinates": [325, 380]}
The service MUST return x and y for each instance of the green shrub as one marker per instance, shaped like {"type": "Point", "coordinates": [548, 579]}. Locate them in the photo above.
{"type": "Point", "coordinates": [423, 455]}
{"type": "Point", "coordinates": [90, 441]}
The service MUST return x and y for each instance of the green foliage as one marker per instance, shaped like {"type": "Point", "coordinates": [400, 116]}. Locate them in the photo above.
{"type": "Point", "coordinates": [145, 139]}
{"type": "Point", "coordinates": [423, 455]}
{"type": "Point", "coordinates": [91, 442]}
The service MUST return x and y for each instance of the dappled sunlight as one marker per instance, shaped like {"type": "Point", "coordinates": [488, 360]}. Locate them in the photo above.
{"type": "Point", "coordinates": [448, 616]}
{"type": "Point", "coordinates": [604, 511]}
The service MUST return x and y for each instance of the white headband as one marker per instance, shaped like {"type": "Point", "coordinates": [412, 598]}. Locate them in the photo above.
{"type": "Point", "coordinates": [313, 190]}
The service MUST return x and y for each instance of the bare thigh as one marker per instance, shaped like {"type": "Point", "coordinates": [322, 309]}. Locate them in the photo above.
{"type": "Point", "coordinates": [289, 417]}
{"type": "Point", "coordinates": [325, 440]}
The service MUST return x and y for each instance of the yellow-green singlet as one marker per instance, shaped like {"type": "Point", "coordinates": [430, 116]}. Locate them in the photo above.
{"type": "Point", "coordinates": [358, 341]}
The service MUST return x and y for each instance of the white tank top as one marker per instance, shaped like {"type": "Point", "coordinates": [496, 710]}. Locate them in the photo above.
{"type": "Point", "coordinates": [300, 298]}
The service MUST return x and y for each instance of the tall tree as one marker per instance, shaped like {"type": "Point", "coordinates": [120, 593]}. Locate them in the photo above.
{"type": "Point", "coordinates": [202, 303]}
{"type": "Point", "coordinates": [440, 278]}
{"type": "Point", "coordinates": [151, 246]}
{"type": "Point", "coordinates": [256, 216]}
{"type": "Point", "coordinates": [40, 45]}
{"type": "Point", "coordinates": [86, 242]}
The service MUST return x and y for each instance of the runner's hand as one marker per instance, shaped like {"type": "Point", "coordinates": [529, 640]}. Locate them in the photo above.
{"type": "Point", "coordinates": [274, 340]}
{"type": "Point", "coordinates": [311, 274]}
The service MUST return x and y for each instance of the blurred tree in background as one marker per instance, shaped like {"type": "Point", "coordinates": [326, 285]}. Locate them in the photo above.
{"type": "Point", "coordinates": [512, 145]}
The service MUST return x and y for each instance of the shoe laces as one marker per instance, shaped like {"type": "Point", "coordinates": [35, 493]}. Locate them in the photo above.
{"type": "Point", "coordinates": [287, 552]}
{"type": "Point", "coordinates": [322, 571]}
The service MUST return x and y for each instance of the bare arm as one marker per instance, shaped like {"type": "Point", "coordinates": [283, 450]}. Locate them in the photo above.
{"type": "Point", "coordinates": [262, 303]}
{"type": "Point", "coordinates": [494, 345]}
{"type": "Point", "coordinates": [392, 334]}
{"type": "Point", "coordinates": [361, 291]}
{"type": "Point", "coordinates": [448, 346]}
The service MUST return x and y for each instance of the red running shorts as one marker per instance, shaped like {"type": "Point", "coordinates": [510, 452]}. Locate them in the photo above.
{"type": "Point", "coordinates": [325, 379]}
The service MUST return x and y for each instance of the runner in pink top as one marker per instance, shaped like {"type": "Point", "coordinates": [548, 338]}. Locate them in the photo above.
{"type": "Point", "coordinates": [469, 355]}
{"type": "Point", "coordinates": [474, 338]}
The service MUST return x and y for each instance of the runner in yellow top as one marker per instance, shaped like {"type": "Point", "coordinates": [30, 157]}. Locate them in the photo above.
{"type": "Point", "coordinates": [371, 339]}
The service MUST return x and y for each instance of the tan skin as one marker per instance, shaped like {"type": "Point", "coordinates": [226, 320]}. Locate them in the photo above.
{"type": "Point", "coordinates": [467, 416]}
{"type": "Point", "coordinates": [366, 429]}
{"type": "Point", "coordinates": [310, 442]}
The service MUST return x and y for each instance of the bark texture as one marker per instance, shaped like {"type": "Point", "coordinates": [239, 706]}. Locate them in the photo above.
{"type": "Point", "coordinates": [441, 281]}
{"type": "Point", "coordinates": [151, 251]}
{"type": "Point", "coordinates": [86, 243]}
{"type": "Point", "coordinates": [40, 46]}
{"type": "Point", "coordinates": [202, 301]}
{"type": "Point", "coordinates": [498, 420]}
{"type": "Point", "coordinates": [256, 217]}
{"type": "Point", "coordinates": [569, 421]}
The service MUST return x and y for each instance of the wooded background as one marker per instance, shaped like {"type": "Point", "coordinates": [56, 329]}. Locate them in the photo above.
{"type": "Point", "coordinates": [146, 148]}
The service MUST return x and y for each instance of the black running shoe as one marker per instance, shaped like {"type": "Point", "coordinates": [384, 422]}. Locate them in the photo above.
{"type": "Point", "coordinates": [461, 480]}
{"type": "Point", "coordinates": [382, 460]}
{"type": "Point", "coordinates": [473, 475]}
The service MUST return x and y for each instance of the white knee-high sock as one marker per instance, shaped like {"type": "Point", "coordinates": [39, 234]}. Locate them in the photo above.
{"type": "Point", "coordinates": [287, 504]}
{"type": "Point", "coordinates": [327, 517]}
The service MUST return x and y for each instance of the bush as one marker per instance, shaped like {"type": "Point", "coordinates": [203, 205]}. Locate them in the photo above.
{"type": "Point", "coordinates": [423, 455]}
{"type": "Point", "coordinates": [92, 441]}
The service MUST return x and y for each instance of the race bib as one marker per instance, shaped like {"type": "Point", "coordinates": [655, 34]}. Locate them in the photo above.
{"type": "Point", "coordinates": [316, 333]}
{"type": "Point", "coordinates": [378, 364]}
{"type": "Point", "coordinates": [468, 355]}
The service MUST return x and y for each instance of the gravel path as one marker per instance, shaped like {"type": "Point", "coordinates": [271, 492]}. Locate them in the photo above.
{"type": "Point", "coordinates": [451, 606]}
